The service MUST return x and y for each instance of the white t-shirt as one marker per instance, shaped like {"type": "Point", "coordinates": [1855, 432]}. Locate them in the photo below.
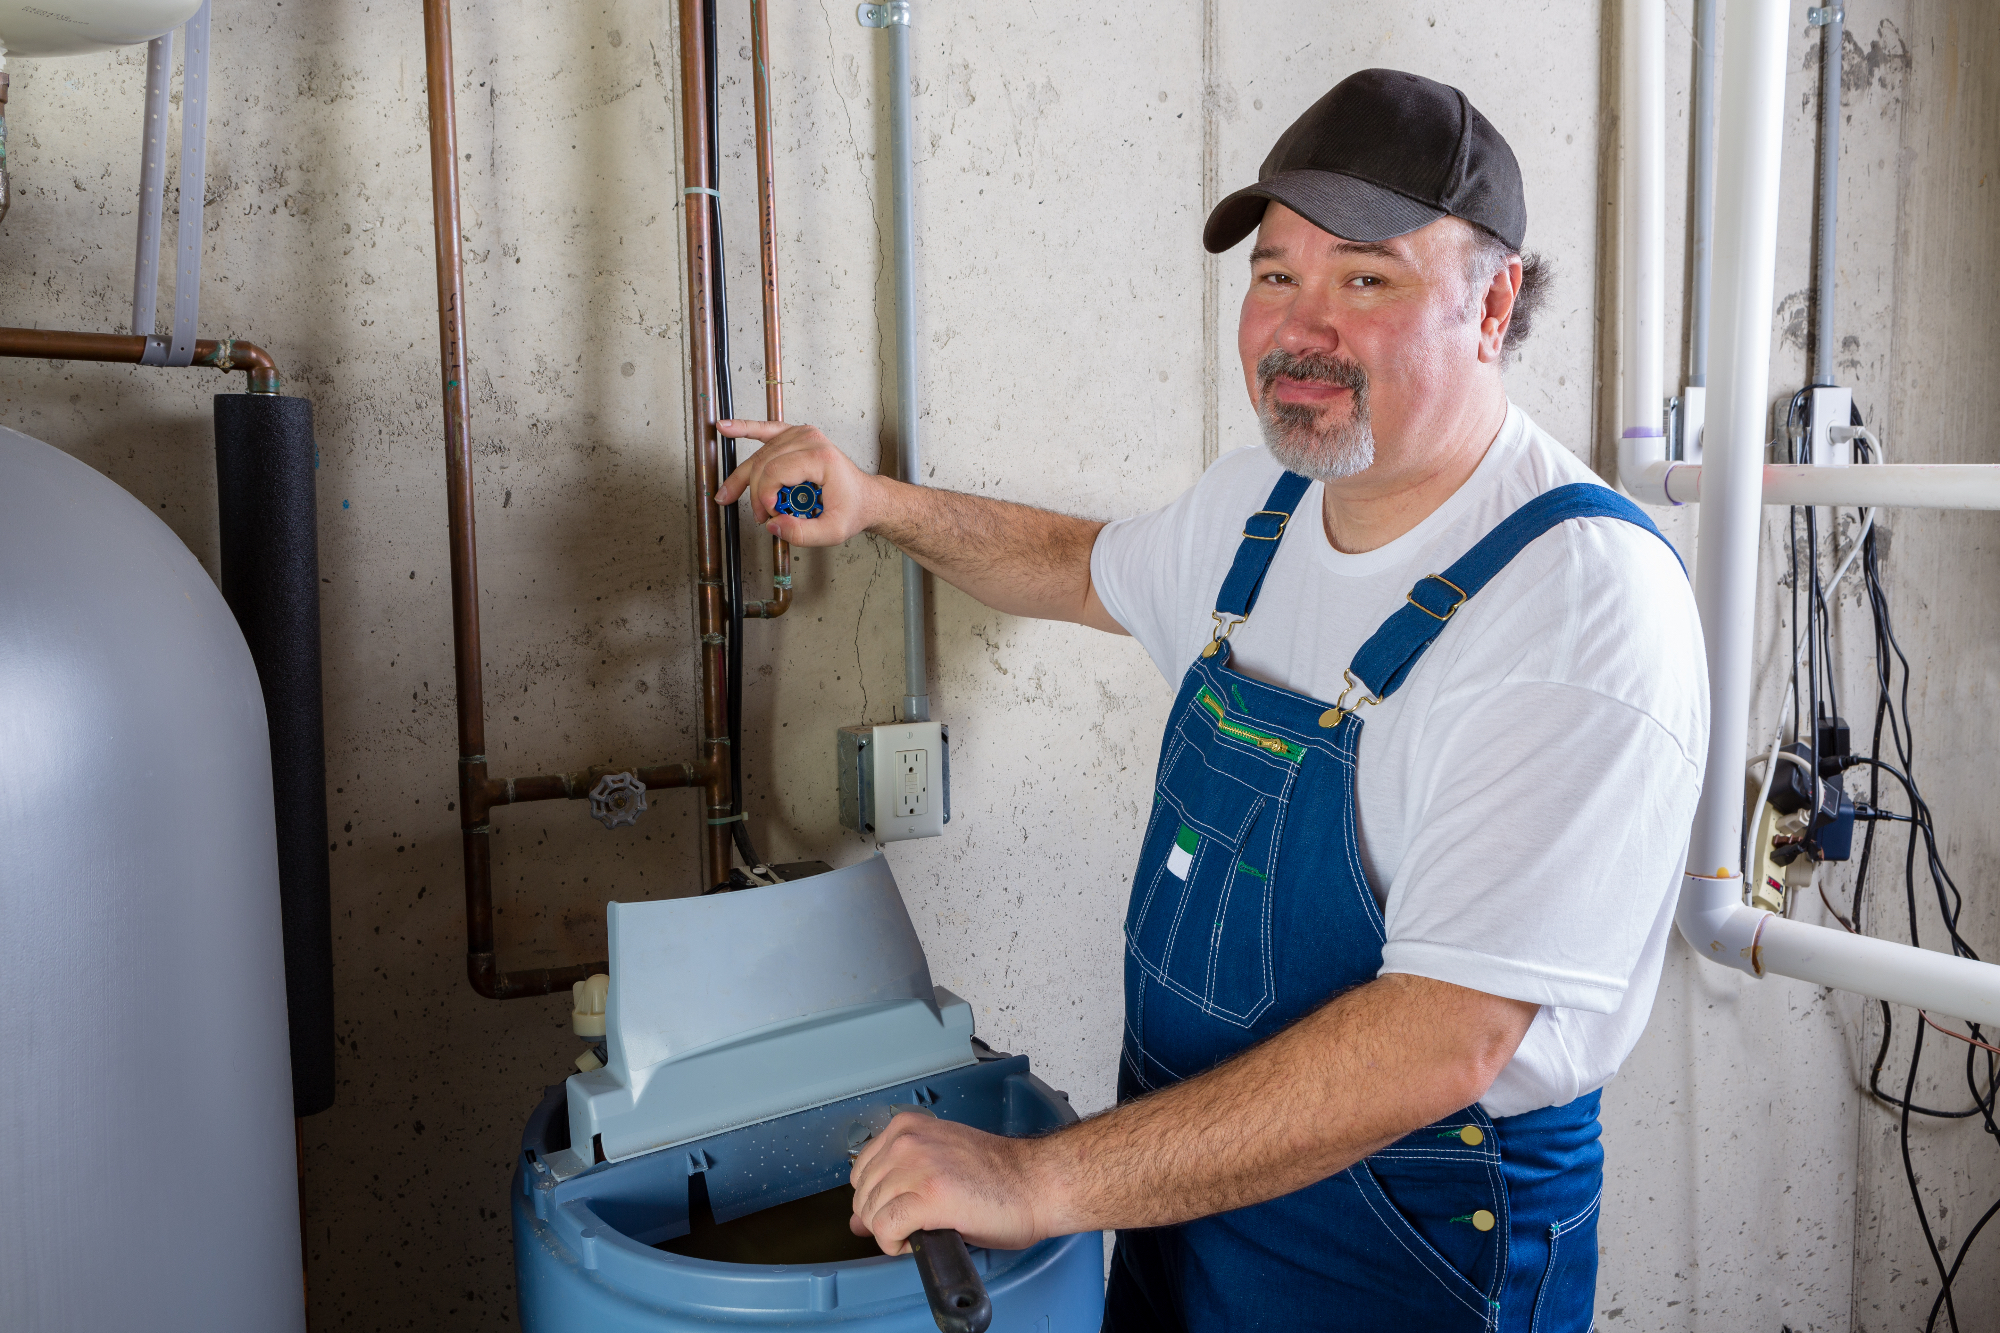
{"type": "Point", "coordinates": [1524, 799]}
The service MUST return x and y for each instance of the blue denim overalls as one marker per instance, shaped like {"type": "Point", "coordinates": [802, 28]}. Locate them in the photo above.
{"type": "Point", "coordinates": [1249, 910]}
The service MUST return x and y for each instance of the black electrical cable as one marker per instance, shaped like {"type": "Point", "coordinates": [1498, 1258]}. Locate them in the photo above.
{"type": "Point", "coordinates": [725, 407]}
{"type": "Point", "coordinates": [1815, 620]}
{"type": "Point", "coordinates": [1892, 719]}
{"type": "Point", "coordinates": [1792, 437]}
{"type": "Point", "coordinates": [1910, 1174]}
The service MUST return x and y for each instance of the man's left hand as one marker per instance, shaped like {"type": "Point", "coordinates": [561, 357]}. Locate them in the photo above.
{"type": "Point", "coordinates": [921, 1174]}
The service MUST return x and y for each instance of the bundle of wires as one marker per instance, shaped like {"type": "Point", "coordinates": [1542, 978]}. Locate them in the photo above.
{"type": "Point", "coordinates": [1892, 721]}
{"type": "Point", "coordinates": [725, 407]}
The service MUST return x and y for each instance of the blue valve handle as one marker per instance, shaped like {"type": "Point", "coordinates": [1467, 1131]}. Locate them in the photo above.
{"type": "Point", "coordinates": [801, 499]}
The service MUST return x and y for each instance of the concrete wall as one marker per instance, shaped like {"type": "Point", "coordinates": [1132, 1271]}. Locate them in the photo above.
{"type": "Point", "coordinates": [1078, 352]}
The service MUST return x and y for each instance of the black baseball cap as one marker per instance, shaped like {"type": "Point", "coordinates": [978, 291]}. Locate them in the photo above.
{"type": "Point", "coordinates": [1381, 155]}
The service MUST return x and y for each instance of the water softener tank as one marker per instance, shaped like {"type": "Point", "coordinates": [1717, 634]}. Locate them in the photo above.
{"type": "Point", "coordinates": [752, 1040]}
{"type": "Point", "coordinates": [145, 1083]}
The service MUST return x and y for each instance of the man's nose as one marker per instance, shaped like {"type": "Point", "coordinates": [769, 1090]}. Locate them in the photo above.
{"type": "Point", "coordinates": [1307, 329]}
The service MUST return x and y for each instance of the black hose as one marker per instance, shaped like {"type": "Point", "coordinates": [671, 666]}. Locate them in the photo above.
{"type": "Point", "coordinates": [264, 460]}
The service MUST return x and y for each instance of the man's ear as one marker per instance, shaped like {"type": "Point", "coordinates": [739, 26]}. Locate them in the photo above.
{"type": "Point", "coordinates": [1497, 309]}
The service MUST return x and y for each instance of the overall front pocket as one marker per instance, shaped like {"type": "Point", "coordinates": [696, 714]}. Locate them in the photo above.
{"type": "Point", "coordinates": [1200, 918]}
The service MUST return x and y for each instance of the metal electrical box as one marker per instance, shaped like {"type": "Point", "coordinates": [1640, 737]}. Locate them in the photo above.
{"type": "Point", "coordinates": [895, 780]}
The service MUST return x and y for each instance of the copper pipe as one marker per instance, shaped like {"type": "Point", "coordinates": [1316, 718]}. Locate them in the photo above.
{"type": "Point", "coordinates": [6, 186]}
{"type": "Point", "coordinates": [223, 354]}
{"type": "Point", "coordinates": [478, 793]}
{"type": "Point", "coordinates": [767, 236]}
{"type": "Point", "coordinates": [576, 786]}
{"type": "Point", "coordinates": [710, 619]}
{"type": "Point", "coordinates": [481, 965]}
{"type": "Point", "coordinates": [475, 834]}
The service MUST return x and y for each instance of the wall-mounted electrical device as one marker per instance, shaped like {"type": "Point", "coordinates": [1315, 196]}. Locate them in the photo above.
{"type": "Point", "coordinates": [895, 780]}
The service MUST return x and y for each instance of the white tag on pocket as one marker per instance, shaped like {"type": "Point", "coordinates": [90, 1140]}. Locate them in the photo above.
{"type": "Point", "coordinates": [1180, 857]}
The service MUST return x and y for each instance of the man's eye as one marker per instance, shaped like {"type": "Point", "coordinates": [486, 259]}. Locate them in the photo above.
{"type": "Point", "coordinates": [1365, 280]}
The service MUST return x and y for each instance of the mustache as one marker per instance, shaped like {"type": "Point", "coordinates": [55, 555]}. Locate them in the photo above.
{"type": "Point", "coordinates": [1311, 369]}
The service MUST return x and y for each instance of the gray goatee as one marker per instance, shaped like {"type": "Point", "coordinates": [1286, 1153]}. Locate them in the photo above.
{"type": "Point", "coordinates": [1298, 437]}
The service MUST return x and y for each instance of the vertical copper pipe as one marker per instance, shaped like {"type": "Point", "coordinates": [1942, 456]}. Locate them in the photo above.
{"type": "Point", "coordinates": [471, 689]}
{"type": "Point", "coordinates": [481, 966]}
{"type": "Point", "coordinates": [696, 175]}
{"type": "Point", "coordinates": [767, 235]}
{"type": "Point", "coordinates": [6, 189]}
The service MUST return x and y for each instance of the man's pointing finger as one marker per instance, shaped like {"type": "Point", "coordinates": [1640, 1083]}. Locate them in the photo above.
{"type": "Point", "coordinates": [761, 431]}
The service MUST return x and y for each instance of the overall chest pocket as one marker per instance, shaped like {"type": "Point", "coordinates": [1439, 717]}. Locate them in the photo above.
{"type": "Point", "coordinates": [1200, 917]}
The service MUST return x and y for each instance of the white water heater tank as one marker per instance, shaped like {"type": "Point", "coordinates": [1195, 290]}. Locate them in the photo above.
{"type": "Point", "coordinates": [76, 27]}
{"type": "Point", "coordinates": [145, 1071]}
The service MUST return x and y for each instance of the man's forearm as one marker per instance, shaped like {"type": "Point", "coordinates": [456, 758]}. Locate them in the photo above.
{"type": "Point", "coordinates": [1024, 561]}
{"type": "Point", "coordinates": [1371, 1066]}
{"type": "Point", "coordinates": [1014, 558]}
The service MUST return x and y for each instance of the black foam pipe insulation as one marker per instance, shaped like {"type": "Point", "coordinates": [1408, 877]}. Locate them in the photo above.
{"type": "Point", "coordinates": [264, 463]}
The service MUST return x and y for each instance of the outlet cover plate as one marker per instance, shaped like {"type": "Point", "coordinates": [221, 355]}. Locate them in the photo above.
{"type": "Point", "coordinates": [895, 780]}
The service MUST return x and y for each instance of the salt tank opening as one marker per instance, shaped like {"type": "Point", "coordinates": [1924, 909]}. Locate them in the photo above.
{"type": "Point", "coordinates": [812, 1230]}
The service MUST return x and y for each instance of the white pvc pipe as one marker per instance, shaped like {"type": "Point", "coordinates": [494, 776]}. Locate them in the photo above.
{"type": "Point", "coordinates": [1642, 147]}
{"type": "Point", "coordinates": [1711, 914]}
{"type": "Point", "coordinates": [1913, 485]}
{"type": "Point", "coordinates": [1923, 978]}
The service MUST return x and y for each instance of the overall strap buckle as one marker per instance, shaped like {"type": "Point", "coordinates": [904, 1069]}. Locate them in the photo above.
{"type": "Point", "coordinates": [1449, 611]}
{"type": "Point", "coordinates": [1337, 714]}
{"type": "Point", "coordinates": [1266, 532]}
{"type": "Point", "coordinates": [1225, 625]}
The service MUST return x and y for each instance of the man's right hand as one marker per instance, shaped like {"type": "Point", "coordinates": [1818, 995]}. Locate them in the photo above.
{"type": "Point", "coordinates": [1026, 562]}
{"type": "Point", "coordinates": [792, 454]}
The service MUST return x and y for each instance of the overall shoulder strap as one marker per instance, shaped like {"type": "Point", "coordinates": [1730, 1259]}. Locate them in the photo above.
{"type": "Point", "coordinates": [1261, 533]}
{"type": "Point", "coordinates": [1392, 650]}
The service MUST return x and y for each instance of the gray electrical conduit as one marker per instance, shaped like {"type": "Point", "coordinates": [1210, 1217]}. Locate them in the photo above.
{"type": "Point", "coordinates": [1829, 190]}
{"type": "Point", "coordinates": [1703, 205]}
{"type": "Point", "coordinates": [895, 17]}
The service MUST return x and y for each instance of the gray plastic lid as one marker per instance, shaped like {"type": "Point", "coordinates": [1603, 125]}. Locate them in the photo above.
{"type": "Point", "coordinates": [734, 1008]}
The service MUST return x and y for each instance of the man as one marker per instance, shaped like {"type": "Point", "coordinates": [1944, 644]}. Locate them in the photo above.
{"type": "Point", "coordinates": [1401, 906]}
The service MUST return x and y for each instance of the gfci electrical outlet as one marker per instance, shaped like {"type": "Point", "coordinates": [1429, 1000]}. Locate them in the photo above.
{"type": "Point", "coordinates": [895, 780]}
{"type": "Point", "coordinates": [912, 783]}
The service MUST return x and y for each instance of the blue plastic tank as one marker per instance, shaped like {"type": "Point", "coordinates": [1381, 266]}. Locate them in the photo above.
{"type": "Point", "coordinates": [588, 1249]}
